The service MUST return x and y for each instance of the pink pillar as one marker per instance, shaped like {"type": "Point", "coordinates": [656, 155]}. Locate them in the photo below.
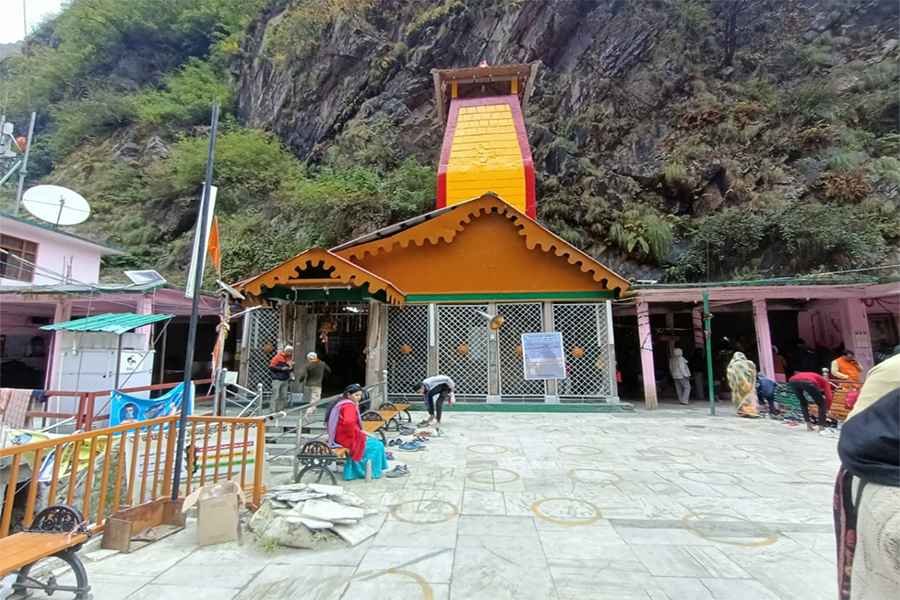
{"type": "Point", "coordinates": [145, 307]}
{"type": "Point", "coordinates": [763, 338]}
{"type": "Point", "coordinates": [697, 325]}
{"type": "Point", "coordinates": [645, 339]}
{"type": "Point", "coordinates": [855, 326]}
{"type": "Point", "coordinates": [61, 313]}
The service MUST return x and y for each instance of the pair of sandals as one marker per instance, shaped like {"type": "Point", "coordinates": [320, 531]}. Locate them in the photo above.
{"type": "Point", "coordinates": [412, 446]}
{"type": "Point", "coordinates": [398, 471]}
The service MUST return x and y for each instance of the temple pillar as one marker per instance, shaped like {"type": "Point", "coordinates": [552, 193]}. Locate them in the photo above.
{"type": "Point", "coordinates": [697, 327]}
{"type": "Point", "coordinates": [62, 312]}
{"type": "Point", "coordinates": [645, 343]}
{"type": "Point", "coordinates": [855, 331]}
{"type": "Point", "coordinates": [763, 338]}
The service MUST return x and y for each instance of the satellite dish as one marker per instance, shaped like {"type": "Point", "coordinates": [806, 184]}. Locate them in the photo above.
{"type": "Point", "coordinates": [56, 204]}
{"type": "Point", "coordinates": [145, 277]}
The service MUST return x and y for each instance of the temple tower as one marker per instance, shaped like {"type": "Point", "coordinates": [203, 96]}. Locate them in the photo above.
{"type": "Point", "coordinates": [485, 147]}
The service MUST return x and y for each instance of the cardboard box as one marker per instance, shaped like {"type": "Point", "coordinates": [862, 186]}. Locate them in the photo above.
{"type": "Point", "coordinates": [218, 512]}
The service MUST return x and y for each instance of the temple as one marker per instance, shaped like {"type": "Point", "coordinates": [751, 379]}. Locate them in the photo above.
{"type": "Point", "coordinates": [416, 298]}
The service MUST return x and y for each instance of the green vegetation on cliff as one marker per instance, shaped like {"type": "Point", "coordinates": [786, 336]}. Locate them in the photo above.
{"type": "Point", "coordinates": [678, 139]}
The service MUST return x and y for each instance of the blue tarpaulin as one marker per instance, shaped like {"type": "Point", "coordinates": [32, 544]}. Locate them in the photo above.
{"type": "Point", "coordinates": [127, 409]}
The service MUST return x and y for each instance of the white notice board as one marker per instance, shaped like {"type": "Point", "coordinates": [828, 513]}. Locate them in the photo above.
{"type": "Point", "coordinates": [543, 356]}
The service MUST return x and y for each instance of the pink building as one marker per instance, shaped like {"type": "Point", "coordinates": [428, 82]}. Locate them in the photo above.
{"type": "Point", "coordinates": [755, 317]}
{"type": "Point", "coordinates": [51, 276]}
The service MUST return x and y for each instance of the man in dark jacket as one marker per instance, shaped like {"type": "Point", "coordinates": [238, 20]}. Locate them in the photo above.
{"type": "Point", "coordinates": [313, 374]}
{"type": "Point", "coordinates": [281, 368]}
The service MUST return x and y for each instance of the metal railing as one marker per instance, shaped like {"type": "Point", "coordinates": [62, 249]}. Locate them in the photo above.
{"type": "Point", "coordinates": [85, 417]}
{"type": "Point", "coordinates": [106, 470]}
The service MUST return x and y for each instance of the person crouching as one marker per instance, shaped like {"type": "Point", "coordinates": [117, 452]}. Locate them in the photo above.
{"type": "Point", "coordinates": [436, 390]}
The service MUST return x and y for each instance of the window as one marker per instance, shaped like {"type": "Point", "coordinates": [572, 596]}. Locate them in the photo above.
{"type": "Point", "coordinates": [17, 260]}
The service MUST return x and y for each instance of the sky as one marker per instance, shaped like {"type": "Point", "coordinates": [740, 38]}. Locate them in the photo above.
{"type": "Point", "coordinates": [12, 23]}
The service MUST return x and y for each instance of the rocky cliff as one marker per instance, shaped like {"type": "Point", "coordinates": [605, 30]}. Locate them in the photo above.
{"type": "Point", "coordinates": [677, 139]}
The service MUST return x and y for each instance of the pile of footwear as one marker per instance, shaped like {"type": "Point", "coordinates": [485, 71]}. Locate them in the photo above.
{"type": "Point", "coordinates": [313, 515]}
{"type": "Point", "coordinates": [416, 442]}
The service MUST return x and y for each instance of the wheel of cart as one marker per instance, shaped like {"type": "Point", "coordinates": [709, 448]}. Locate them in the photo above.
{"type": "Point", "coordinates": [373, 422]}
{"type": "Point", "coordinates": [45, 557]}
{"type": "Point", "coordinates": [313, 461]}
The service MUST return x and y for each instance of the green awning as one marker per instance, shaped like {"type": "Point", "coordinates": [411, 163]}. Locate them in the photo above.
{"type": "Point", "coordinates": [117, 323]}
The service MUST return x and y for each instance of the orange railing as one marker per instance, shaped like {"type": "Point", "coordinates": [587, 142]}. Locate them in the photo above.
{"type": "Point", "coordinates": [106, 470]}
{"type": "Point", "coordinates": [84, 415]}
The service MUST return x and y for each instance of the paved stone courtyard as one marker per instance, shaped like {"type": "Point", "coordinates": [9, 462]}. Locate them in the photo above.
{"type": "Point", "coordinates": [652, 506]}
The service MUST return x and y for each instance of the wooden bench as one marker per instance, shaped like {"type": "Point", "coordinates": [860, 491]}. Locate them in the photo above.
{"type": "Point", "coordinates": [22, 553]}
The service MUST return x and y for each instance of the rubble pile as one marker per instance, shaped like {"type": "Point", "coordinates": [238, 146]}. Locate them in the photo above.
{"type": "Point", "coordinates": [313, 515]}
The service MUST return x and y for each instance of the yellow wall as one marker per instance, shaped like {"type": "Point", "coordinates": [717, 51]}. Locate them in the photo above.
{"type": "Point", "coordinates": [485, 156]}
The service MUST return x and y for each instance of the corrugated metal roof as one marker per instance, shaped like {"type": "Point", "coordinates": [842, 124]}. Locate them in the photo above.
{"type": "Point", "coordinates": [82, 288]}
{"type": "Point", "coordinates": [117, 323]}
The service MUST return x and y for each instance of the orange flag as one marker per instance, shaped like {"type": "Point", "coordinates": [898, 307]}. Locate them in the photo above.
{"type": "Point", "coordinates": [214, 248]}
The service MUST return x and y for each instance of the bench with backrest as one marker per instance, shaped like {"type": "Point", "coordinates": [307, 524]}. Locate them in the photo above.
{"type": "Point", "coordinates": [56, 532]}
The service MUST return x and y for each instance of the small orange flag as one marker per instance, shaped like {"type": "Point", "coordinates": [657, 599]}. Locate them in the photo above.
{"type": "Point", "coordinates": [213, 246]}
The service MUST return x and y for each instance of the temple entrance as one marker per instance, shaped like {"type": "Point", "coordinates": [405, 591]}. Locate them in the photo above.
{"type": "Point", "coordinates": [341, 342]}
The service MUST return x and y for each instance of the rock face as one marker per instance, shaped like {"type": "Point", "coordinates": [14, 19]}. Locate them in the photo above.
{"type": "Point", "coordinates": [625, 89]}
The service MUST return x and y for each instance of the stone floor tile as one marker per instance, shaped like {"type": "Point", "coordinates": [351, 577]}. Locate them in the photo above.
{"type": "Point", "coordinates": [479, 574]}
{"type": "Point", "coordinates": [489, 526]}
{"type": "Point", "coordinates": [745, 589]}
{"type": "Point", "coordinates": [433, 564]}
{"type": "Point", "coordinates": [224, 575]}
{"type": "Point", "coordinates": [310, 582]}
{"type": "Point", "coordinates": [481, 502]}
{"type": "Point", "coordinates": [156, 591]}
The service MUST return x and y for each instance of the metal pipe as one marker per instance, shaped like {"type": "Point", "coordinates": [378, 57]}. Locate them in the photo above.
{"type": "Point", "coordinates": [23, 171]}
{"type": "Point", "coordinates": [195, 300]}
{"type": "Point", "coordinates": [118, 362]}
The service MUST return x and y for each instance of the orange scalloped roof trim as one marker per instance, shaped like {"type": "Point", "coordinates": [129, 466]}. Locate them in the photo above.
{"type": "Point", "coordinates": [445, 227]}
{"type": "Point", "coordinates": [343, 271]}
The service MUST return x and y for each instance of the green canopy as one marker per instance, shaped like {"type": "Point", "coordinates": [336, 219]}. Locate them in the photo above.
{"type": "Point", "coordinates": [117, 323]}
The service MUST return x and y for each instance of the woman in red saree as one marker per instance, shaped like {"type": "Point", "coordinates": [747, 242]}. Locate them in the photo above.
{"type": "Point", "coordinates": [345, 429]}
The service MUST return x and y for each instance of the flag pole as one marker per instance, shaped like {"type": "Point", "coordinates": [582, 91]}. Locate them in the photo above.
{"type": "Point", "coordinates": [200, 234]}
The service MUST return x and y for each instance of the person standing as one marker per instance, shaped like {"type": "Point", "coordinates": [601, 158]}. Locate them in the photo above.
{"type": "Point", "coordinates": [436, 390]}
{"type": "Point", "coordinates": [742, 381]}
{"type": "Point", "coordinates": [281, 367]}
{"type": "Point", "coordinates": [867, 494]}
{"type": "Point", "coordinates": [807, 386]}
{"type": "Point", "coordinates": [846, 368]}
{"type": "Point", "coordinates": [681, 375]}
{"type": "Point", "coordinates": [313, 374]}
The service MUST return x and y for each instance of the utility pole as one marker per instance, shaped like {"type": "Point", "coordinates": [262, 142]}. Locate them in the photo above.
{"type": "Point", "coordinates": [200, 234]}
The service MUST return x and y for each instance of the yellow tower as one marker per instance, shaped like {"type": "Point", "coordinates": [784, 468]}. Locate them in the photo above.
{"type": "Point", "coordinates": [485, 146]}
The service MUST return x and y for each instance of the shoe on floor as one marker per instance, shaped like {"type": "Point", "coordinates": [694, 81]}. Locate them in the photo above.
{"type": "Point", "coordinates": [828, 433]}
{"type": "Point", "coordinates": [394, 473]}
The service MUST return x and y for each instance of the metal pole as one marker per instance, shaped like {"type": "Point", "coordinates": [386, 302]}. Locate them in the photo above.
{"type": "Point", "coordinates": [198, 277]}
{"type": "Point", "coordinates": [23, 171]}
{"type": "Point", "coordinates": [118, 362]}
{"type": "Point", "coordinates": [707, 334]}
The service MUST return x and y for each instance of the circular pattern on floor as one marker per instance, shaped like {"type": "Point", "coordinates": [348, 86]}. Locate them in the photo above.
{"type": "Point", "coordinates": [424, 586]}
{"type": "Point", "coordinates": [424, 512]}
{"type": "Point", "coordinates": [491, 476]}
{"type": "Point", "coordinates": [579, 450]}
{"type": "Point", "coordinates": [669, 452]}
{"type": "Point", "coordinates": [692, 522]}
{"type": "Point", "coordinates": [487, 449]}
{"type": "Point", "coordinates": [594, 476]}
{"type": "Point", "coordinates": [570, 512]}
{"type": "Point", "coordinates": [710, 477]}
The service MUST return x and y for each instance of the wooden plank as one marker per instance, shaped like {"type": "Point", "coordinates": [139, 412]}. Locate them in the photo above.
{"type": "Point", "coordinates": [32, 489]}
{"type": "Point", "coordinates": [22, 549]}
{"type": "Point", "coordinates": [10, 495]}
{"type": "Point", "coordinates": [124, 525]}
{"type": "Point", "coordinates": [89, 479]}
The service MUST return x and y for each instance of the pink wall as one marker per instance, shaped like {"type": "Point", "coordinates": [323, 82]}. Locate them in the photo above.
{"type": "Point", "coordinates": [56, 252]}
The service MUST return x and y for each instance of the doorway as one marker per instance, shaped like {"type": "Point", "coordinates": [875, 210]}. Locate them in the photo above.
{"type": "Point", "coordinates": [341, 335]}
